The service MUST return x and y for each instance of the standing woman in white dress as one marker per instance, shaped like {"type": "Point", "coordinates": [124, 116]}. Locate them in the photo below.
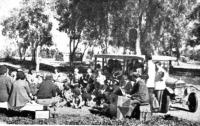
{"type": "Point", "coordinates": [151, 71]}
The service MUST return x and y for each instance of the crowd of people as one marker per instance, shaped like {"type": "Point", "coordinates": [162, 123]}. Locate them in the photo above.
{"type": "Point", "coordinates": [96, 88]}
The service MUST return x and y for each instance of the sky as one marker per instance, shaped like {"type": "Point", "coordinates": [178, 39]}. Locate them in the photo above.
{"type": "Point", "coordinates": [7, 5]}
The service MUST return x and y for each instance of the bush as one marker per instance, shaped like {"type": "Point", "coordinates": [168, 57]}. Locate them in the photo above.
{"type": "Point", "coordinates": [197, 56]}
{"type": "Point", "coordinates": [5, 53]}
{"type": "Point", "coordinates": [59, 56]}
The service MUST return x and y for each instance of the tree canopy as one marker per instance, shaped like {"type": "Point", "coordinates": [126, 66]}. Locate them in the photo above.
{"type": "Point", "coordinates": [143, 26]}
{"type": "Point", "coordinates": [157, 24]}
{"type": "Point", "coordinates": [29, 26]}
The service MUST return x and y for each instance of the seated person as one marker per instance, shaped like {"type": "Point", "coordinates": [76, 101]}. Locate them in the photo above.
{"type": "Point", "coordinates": [100, 80]}
{"type": "Point", "coordinates": [61, 81]}
{"type": "Point", "coordinates": [68, 95]}
{"type": "Point", "coordinates": [110, 65]}
{"type": "Point", "coordinates": [34, 86]}
{"type": "Point", "coordinates": [21, 94]}
{"type": "Point", "coordinates": [76, 77]}
{"type": "Point", "coordinates": [140, 91]}
{"type": "Point", "coordinates": [88, 78]}
{"type": "Point", "coordinates": [47, 92]}
{"type": "Point", "coordinates": [88, 86]}
{"type": "Point", "coordinates": [117, 73]}
{"type": "Point", "coordinates": [128, 85]}
{"type": "Point", "coordinates": [98, 67]}
{"type": "Point", "coordinates": [99, 86]}
{"type": "Point", "coordinates": [5, 84]}
{"type": "Point", "coordinates": [109, 96]}
{"type": "Point", "coordinates": [138, 95]}
{"type": "Point", "coordinates": [77, 101]}
{"type": "Point", "coordinates": [116, 89]}
{"type": "Point", "coordinates": [106, 71]}
{"type": "Point", "coordinates": [13, 75]}
{"type": "Point", "coordinates": [56, 74]}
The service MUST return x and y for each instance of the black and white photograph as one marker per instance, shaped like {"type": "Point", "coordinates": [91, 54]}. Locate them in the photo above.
{"type": "Point", "coordinates": [100, 62]}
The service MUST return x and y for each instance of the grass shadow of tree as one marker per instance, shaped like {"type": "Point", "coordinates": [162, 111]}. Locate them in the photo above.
{"type": "Point", "coordinates": [12, 113]}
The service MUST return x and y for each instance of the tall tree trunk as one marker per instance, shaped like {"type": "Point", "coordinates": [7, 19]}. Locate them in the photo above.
{"type": "Point", "coordinates": [139, 30]}
{"type": "Point", "coordinates": [33, 51]}
{"type": "Point", "coordinates": [106, 44]}
{"type": "Point", "coordinates": [37, 59]}
{"type": "Point", "coordinates": [24, 54]}
{"type": "Point", "coordinates": [137, 46]}
{"type": "Point", "coordinates": [20, 53]}
{"type": "Point", "coordinates": [70, 52]}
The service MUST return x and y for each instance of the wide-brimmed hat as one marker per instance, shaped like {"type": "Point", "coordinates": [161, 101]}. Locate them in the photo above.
{"type": "Point", "coordinates": [3, 69]}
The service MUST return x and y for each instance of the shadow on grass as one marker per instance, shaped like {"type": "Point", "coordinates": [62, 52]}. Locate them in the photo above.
{"type": "Point", "coordinates": [112, 113]}
{"type": "Point", "coordinates": [12, 113]}
{"type": "Point", "coordinates": [178, 108]}
{"type": "Point", "coordinates": [100, 112]}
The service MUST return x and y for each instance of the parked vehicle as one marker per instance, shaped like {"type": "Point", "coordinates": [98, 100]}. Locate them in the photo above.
{"type": "Point", "coordinates": [123, 59]}
{"type": "Point", "coordinates": [176, 92]}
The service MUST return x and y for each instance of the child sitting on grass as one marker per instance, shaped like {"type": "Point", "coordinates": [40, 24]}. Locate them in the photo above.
{"type": "Point", "coordinates": [77, 101]}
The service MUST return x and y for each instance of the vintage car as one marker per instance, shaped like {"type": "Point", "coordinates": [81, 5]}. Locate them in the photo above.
{"type": "Point", "coordinates": [177, 92]}
{"type": "Point", "coordinates": [123, 59]}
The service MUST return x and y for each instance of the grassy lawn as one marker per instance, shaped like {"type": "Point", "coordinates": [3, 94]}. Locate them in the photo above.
{"type": "Point", "coordinates": [97, 120]}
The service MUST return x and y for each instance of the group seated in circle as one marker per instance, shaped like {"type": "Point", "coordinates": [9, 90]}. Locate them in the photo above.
{"type": "Point", "coordinates": [96, 88]}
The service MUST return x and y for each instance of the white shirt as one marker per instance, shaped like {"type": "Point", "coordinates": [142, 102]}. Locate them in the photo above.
{"type": "Point", "coordinates": [101, 79]}
{"type": "Point", "coordinates": [151, 73]}
{"type": "Point", "coordinates": [160, 85]}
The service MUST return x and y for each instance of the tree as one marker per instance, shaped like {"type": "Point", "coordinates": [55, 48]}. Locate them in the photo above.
{"type": "Point", "coordinates": [10, 30]}
{"type": "Point", "coordinates": [96, 18]}
{"type": "Point", "coordinates": [29, 26]}
{"type": "Point", "coordinates": [195, 30]}
{"type": "Point", "coordinates": [147, 26]}
{"type": "Point", "coordinates": [174, 24]}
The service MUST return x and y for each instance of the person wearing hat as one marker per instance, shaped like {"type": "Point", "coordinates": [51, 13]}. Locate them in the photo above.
{"type": "Point", "coordinates": [47, 91]}
{"type": "Point", "coordinates": [128, 84]}
{"type": "Point", "coordinates": [139, 94]}
{"type": "Point", "coordinates": [5, 84]}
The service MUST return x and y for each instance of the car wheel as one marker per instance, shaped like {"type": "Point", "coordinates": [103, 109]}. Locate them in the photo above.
{"type": "Point", "coordinates": [192, 102]}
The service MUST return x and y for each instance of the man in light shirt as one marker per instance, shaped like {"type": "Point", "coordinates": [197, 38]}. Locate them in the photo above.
{"type": "Point", "coordinates": [151, 79]}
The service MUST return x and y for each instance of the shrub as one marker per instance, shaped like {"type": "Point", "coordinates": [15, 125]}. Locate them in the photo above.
{"type": "Point", "coordinates": [59, 56]}
{"type": "Point", "coordinates": [43, 54]}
